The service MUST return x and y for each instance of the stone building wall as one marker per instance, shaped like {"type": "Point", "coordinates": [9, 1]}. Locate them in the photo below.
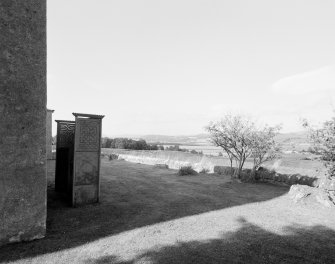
{"type": "Point", "coordinates": [22, 120]}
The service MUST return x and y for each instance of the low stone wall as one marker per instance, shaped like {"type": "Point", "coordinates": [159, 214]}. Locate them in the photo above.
{"type": "Point", "coordinates": [173, 159]}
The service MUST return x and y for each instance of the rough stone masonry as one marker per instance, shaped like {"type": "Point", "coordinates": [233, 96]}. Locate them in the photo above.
{"type": "Point", "coordinates": [22, 120]}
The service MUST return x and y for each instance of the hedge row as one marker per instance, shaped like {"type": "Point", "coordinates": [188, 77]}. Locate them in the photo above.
{"type": "Point", "coordinates": [270, 175]}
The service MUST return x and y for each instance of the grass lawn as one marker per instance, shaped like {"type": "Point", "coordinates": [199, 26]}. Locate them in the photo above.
{"type": "Point", "coordinates": [151, 215]}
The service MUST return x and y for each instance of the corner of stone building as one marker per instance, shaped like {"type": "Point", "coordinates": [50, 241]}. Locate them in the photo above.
{"type": "Point", "coordinates": [22, 120]}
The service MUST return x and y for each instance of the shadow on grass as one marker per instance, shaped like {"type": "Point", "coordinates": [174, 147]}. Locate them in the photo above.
{"type": "Point", "coordinates": [132, 196]}
{"type": "Point", "coordinates": [249, 244]}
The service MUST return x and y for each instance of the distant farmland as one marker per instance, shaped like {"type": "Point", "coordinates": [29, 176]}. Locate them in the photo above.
{"type": "Point", "coordinates": [290, 142]}
{"type": "Point", "coordinates": [206, 149]}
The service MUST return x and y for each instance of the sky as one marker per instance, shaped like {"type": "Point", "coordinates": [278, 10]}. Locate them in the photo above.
{"type": "Point", "coordinates": [171, 67]}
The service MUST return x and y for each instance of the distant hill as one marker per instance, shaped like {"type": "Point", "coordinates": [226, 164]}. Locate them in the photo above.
{"type": "Point", "coordinates": [199, 139]}
{"type": "Point", "coordinates": [203, 139]}
{"type": "Point", "coordinates": [297, 137]}
{"type": "Point", "coordinates": [294, 141]}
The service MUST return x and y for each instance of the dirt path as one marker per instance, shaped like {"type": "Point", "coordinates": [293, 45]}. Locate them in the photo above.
{"type": "Point", "coordinates": [151, 215]}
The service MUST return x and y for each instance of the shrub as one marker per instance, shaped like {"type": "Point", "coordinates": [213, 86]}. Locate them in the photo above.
{"type": "Point", "coordinates": [313, 150]}
{"type": "Point", "coordinates": [264, 174]}
{"type": "Point", "coordinates": [113, 156]}
{"type": "Point", "coordinates": [224, 170]}
{"type": "Point", "coordinates": [323, 140]}
{"type": "Point", "coordinates": [204, 170]}
{"type": "Point", "coordinates": [161, 166]}
{"type": "Point", "coordinates": [246, 175]}
{"type": "Point", "coordinates": [173, 148]}
{"type": "Point", "coordinates": [186, 170]}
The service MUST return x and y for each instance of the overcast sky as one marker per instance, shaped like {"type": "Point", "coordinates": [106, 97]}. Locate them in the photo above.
{"type": "Point", "coordinates": [169, 67]}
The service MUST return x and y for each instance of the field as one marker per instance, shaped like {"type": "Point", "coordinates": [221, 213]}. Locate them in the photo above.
{"type": "Point", "coordinates": [205, 149]}
{"type": "Point", "coordinates": [151, 215]}
{"type": "Point", "coordinates": [289, 142]}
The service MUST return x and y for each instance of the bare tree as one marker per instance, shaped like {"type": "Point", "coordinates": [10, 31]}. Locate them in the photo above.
{"type": "Point", "coordinates": [264, 147]}
{"type": "Point", "coordinates": [234, 135]}
{"type": "Point", "coordinates": [220, 139]}
{"type": "Point", "coordinates": [241, 139]}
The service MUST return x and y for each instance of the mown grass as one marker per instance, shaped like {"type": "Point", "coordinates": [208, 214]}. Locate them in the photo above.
{"type": "Point", "coordinates": [151, 215]}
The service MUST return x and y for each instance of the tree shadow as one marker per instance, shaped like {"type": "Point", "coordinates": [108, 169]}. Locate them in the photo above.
{"type": "Point", "coordinates": [131, 197]}
{"type": "Point", "coordinates": [249, 244]}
